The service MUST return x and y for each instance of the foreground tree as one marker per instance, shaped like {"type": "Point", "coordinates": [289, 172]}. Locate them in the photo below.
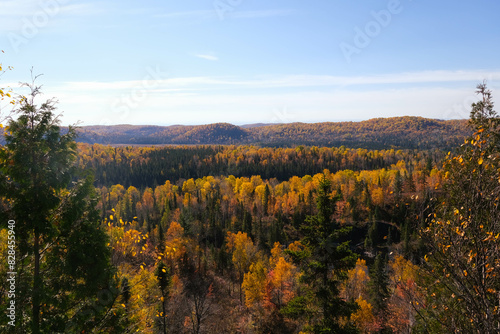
{"type": "Point", "coordinates": [63, 262]}
{"type": "Point", "coordinates": [464, 235]}
{"type": "Point", "coordinates": [324, 262]}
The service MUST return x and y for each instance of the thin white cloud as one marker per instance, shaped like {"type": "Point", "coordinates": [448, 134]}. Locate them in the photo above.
{"type": "Point", "coordinates": [234, 13]}
{"type": "Point", "coordinates": [82, 9]}
{"type": "Point", "coordinates": [29, 8]}
{"type": "Point", "coordinates": [433, 94]}
{"type": "Point", "coordinates": [16, 14]}
{"type": "Point", "coordinates": [198, 14]}
{"type": "Point", "coordinates": [290, 81]}
{"type": "Point", "coordinates": [398, 78]}
{"type": "Point", "coordinates": [252, 14]}
{"type": "Point", "coordinates": [208, 57]}
{"type": "Point", "coordinates": [18, 7]}
{"type": "Point", "coordinates": [152, 84]}
{"type": "Point", "coordinates": [239, 108]}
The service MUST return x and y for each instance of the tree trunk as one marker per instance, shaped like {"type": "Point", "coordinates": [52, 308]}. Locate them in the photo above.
{"type": "Point", "coordinates": [164, 317]}
{"type": "Point", "coordinates": [35, 325]}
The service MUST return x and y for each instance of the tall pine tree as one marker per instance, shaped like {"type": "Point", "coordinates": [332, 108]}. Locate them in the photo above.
{"type": "Point", "coordinates": [63, 261]}
{"type": "Point", "coordinates": [324, 264]}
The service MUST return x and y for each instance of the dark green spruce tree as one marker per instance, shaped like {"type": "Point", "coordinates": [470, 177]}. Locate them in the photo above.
{"type": "Point", "coordinates": [64, 280]}
{"type": "Point", "coordinates": [324, 263]}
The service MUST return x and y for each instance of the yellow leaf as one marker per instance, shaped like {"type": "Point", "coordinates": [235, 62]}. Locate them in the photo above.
{"type": "Point", "coordinates": [123, 305]}
{"type": "Point", "coordinates": [162, 299]}
{"type": "Point", "coordinates": [164, 272]}
{"type": "Point", "coordinates": [480, 161]}
{"type": "Point", "coordinates": [113, 210]}
{"type": "Point", "coordinates": [111, 217]}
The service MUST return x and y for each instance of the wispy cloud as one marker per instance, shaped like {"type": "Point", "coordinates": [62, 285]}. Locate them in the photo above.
{"type": "Point", "coordinates": [312, 98]}
{"type": "Point", "coordinates": [305, 81]}
{"type": "Point", "coordinates": [260, 13]}
{"type": "Point", "coordinates": [207, 57]}
{"type": "Point", "coordinates": [28, 8]}
{"type": "Point", "coordinates": [197, 14]}
{"type": "Point", "coordinates": [397, 78]}
{"type": "Point", "coordinates": [234, 14]}
{"type": "Point", "coordinates": [18, 7]}
{"type": "Point", "coordinates": [16, 14]}
{"type": "Point", "coordinates": [181, 108]}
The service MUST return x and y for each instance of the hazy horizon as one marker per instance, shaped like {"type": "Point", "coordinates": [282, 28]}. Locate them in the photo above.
{"type": "Point", "coordinates": [259, 123]}
{"type": "Point", "coordinates": [242, 62]}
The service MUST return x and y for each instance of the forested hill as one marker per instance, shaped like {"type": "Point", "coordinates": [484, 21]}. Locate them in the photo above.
{"type": "Point", "coordinates": [378, 133]}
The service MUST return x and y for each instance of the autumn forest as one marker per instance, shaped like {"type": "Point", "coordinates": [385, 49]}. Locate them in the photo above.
{"type": "Point", "coordinates": [269, 236]}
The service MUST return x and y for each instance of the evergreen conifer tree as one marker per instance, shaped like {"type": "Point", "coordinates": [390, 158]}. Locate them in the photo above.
{"type": "Point", "coordinates": [324, 263]}
{"type": "Point", "coordinates": [62, 261]}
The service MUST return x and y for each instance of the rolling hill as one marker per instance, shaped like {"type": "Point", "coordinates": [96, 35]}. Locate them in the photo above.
{"type": "Point", "coordinates": [377, 133]}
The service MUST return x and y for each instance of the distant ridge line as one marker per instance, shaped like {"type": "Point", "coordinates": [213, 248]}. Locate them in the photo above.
{"type": "Point", "coordinates": [378, 133]}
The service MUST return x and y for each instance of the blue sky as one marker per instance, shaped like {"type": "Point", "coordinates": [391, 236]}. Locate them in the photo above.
{"type": "Point", "coordinates": [247, 61]}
